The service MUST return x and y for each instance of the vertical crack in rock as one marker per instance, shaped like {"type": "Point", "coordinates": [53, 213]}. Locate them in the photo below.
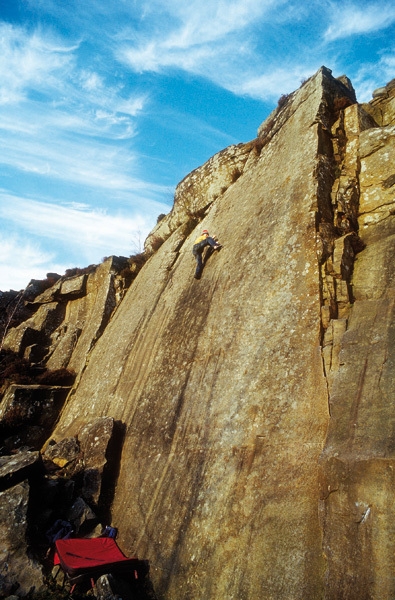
{"type": "Point", "coordinates": [355, 407]}
{"type": "Point", "coordinates": [338, 227]}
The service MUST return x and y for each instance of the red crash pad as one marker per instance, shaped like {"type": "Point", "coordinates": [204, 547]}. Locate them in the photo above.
{"type": "Point", "coordinates": [84, 556]}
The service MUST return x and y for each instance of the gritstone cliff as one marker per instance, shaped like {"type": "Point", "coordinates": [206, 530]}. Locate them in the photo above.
{"type": "Point", "coordinates": [257, 404]}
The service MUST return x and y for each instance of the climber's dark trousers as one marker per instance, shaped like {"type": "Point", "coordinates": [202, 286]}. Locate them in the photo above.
{"type": "Point", "coordinates": [199, 263]}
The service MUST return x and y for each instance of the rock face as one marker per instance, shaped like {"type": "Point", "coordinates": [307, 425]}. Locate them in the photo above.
{"type": "Point", "coordinates": [220, 382]}
{"type": "Point", "coordinates": [197, 191]}
{"type": "Point", "coordinates": [254, 407]}
{"type": "Point", "coordinates": [67, 318]}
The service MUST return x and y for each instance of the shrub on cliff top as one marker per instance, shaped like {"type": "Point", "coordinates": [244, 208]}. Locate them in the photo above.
{"type": "Point", "coordinates": [77, 271]}
{"type": "Point", "coordinates": [282, 101]}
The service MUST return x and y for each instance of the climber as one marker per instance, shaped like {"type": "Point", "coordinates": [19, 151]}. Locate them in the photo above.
{"type": "Point", "coordinates": [202, 242]}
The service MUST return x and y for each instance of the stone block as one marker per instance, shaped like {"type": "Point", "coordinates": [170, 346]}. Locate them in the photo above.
{"type": "Point", "coordinates": [18, 571]}
{"type": "Point", "coordinates": [17, 467]}
{"type": "Point", "coordinates": [95, 439]}
{"type": "Point", "coordinates": [63, 452]}
{"type": "Point", "coordinates": [82, 517]}
{"type": "Point", "coordinates": [73, 287]}
{"type": "Point", "coordinates": [26, 406]}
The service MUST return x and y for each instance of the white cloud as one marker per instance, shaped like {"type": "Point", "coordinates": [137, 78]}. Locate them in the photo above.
{"type": "Point", "coordinates": [207, 21]}
{"type": "Point", "coordinates": [70, 148]}
{"type": "Point", "coordinates": [387, 64]}
{"type": "Point", "coordinates": [352, 19]}
{"type": "Point", "coordinates": [88, 234]}
{"type": "Point", "coordinates": [76, 133]}
{"type": "Point", "coordinates": [72, 224]}
{"type": "Point", "coordinates": [29, 61]}
{"type": "Point", "coordinates": [22, 260]}
{"type": "Point", "coordinates": [91, 81]}
{"type": "Point", "coordinates": [84, 163]}
{"type": "Point", "coordinates": [199, 35]}
{"type": "Point", "coordinates": [132, 106]}
{"type": "Point", "coordinates": [156, 56]}
{"type": "Point", "coordinates": [242, 47]}
{"type": "Point", "coordinates": [370, 76]}
{"type": "Point", "coordinates": [274, 83]}
{"type": "Point", "coordinates": [239, 46]}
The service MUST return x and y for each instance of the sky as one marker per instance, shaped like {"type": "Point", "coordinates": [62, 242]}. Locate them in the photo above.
{"type": "Point", "coordinates": [106, 105]}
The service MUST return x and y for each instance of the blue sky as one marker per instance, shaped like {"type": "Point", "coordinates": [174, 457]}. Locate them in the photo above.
{"type": "Point", "coordinates": [106, 105]}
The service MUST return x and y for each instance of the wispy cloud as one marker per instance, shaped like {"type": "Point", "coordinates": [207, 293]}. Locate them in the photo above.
{"type": "Point", "coordinates": [72, 127]}
{"type": "Point", "coordinates": [73, 161]}
{"type": "Point", "coordinates": [203, 22]}
{"type": "Point", "coordinates": [30, 62]}
{"type": "Point", "coordinates": [371, 75]}
{"type": "Point", "coordinates": [69, 128]}
{"type": "Point", "coordinates": [22, 260]}
{"type": "Point", "coordinates": [275, 83]}
{"type": "Point", "coordinates": [209, 39]}
{"type": "Point", "coordinates": [387, 63]}
{"type": "Point", "coordinates": [355, 18]}
{"type": "Point", "coordinates": [72, 223]}
{"type": "Point", "coordinates": [242, 47]}
{"type": "Point", "coordinates": [88, 233]}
